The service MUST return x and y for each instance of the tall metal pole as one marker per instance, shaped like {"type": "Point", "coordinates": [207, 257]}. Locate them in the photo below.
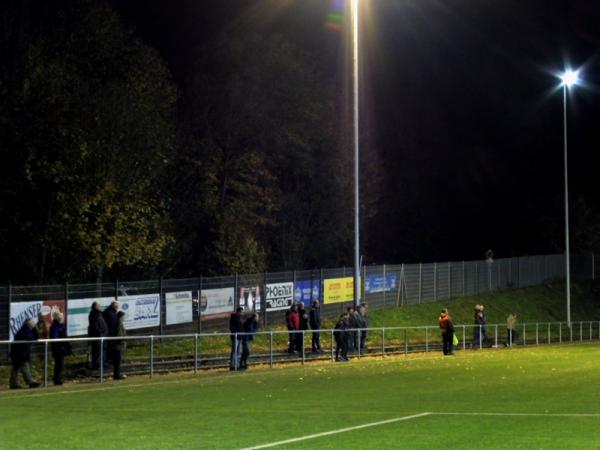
{"type": "Point", "coordinates": [567, 257]}
{"type": "Point", "coordinates": [355, 4]}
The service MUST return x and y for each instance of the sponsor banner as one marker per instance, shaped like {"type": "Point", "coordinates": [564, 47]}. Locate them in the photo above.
{"type": "Point", "coordinates": [179, 307]}
{"type": "Point", "coordinates": [306, 291]}
{"type": "Point", "coordinates": [141, 311]}
{"type": "Point", "coordinates": [21, 311]}
{"type": "Point", "coordinates": [379, 283]}
{"type": "Point", "coordinates": [279, 296]}
{"type": "Point", "coordinates": [78, 312]}
{"type": "Point", "coordinates": [336, 290]}
{"type": "Point", "coordinates": [216, 301]}
{"type": "Point", "coordinates": [250, 298]}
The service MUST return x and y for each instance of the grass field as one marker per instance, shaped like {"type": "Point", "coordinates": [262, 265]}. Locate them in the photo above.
{"type": "Point", "coordinates": [535, 397]}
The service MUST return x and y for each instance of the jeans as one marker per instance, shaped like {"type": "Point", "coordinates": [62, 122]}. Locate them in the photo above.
{"type": "Point", "coordinates": [25, 369]}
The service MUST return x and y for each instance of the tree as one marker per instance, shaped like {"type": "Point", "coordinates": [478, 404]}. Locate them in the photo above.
{"type": "Point", "coordinates": [87, 130]}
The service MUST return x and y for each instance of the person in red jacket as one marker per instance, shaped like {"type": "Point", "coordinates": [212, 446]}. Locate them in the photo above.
{"type": "Point", "coordinates": [447, 329]}
{"type": "Point", "coordinates": [293, 324]}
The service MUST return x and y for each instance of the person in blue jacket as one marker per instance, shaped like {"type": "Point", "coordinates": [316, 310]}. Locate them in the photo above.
{"type": "Point", "coordinates": [250, 327]}
{"type": "Point", "coordinates": [20, 355]}
{"type": "Point", "coordinates": [59, 349]}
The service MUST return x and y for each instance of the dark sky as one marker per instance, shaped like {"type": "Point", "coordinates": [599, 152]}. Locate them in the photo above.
{"type": "Point", "coordinates": [460, 110]}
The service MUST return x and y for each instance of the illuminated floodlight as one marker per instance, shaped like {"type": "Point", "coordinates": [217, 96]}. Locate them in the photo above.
{"type": "Point", "coordinates": [570, 78]}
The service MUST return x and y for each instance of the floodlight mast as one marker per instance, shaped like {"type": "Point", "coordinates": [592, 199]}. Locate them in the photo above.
{"type": "Point", "coordinates": [355, 5]}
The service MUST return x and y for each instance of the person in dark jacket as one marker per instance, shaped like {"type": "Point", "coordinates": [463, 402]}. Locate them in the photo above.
{"type": "Point", "coordinates": [250, 328]}
{"type": "Point", "coordinates": [112, 324]}
{"type": "Point", "coordinates": [303, 317]}
{"type": "Point", "coordinates": [59, 349]}
{"type": "Point", "coordinates": [447, 329]}
{"type": "Point", "coordinates": [341, 340]}
{"type": "Point", "coordinates": [96, 328]}
{"type": "Point", "coordinates": [235, 326]}
{"type": "Point", "coordinates": [293, 324]}
{"type": "Point", "coordinates": [315, 324]}
{"type": "Point", "coordinates": [363, 324]}
{"type": "Point", "coordinates": [20, 355]}
{"type": "Point", "coordinates": [118, 347]}
{"type": "Point", "coordinates": [352, 334]}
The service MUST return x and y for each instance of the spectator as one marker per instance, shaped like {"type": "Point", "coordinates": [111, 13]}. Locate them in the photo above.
{"type": "Point", "coordinates": [250, 328]}
{"type": "Point", "coordinates": [447, 329]}
{"type": "Point", "coordinates": [41, 328]}
{"type": "Point", "coordinates": [235, 326]}
{"type": "Point", "coordinates": [363, 324]}
{"type": "Point", "coordinates": [97, 328]}
{"type": "Point", "coordinates": [59, 349]}
{"type": "Point", "coordinates": [511, 331]}
{"type": "Point", "coordinates": [303, 315]}
{"type": "Point", "coordinates": [20, 355]}
{"type": "Point", "coordinates": [118, 347]}
{"type": "Point", "coordinates": [315, 324]}
{"type": "Point", "coordinates": [478, 329]}
{"type": "Point", "coordinates": [293, 324]}
{"type": "Point", "coordinates": [341, 340]}
{"type": "Point", "coordinates": [112, 324]}
{"type": "Point", "coordinates": [352, 333]}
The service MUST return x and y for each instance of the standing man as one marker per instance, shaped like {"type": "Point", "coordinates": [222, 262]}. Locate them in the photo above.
{"type": "Point", "coordinates": [59, 349]}
{"type": "Point", "coordinates": [364, 324]}
{"type": "Point", "coordinates": [112, 323]}
{"type": "Point", "coordinates": [315, 324]}
{"type": "Point", "coordinates": [303, 316]}
{"type": "Point", "coordinates": [250, 328]}
{"type": "Point", "coordinates": [20, 355]}
{"type": "Point", "coordinates": [235, 326]}
{"type": "Point", "coordinates": [293, 324]}
{"type": "Point", "coordinates": [341, 340]}
{"type": "Point", "coordinates": [447, 329]}
{"type": "Point", "coordinates": [96, 328]}
{"type": "Point", "coordinates": [118, 346]}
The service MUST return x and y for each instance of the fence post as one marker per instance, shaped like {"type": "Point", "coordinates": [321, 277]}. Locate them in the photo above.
{"type": "Point", "coordinates": [560, 332]}
{"type": "Point", "coordinates": [200, 304]}
{"type": "Point", "coordinates": [549, 337]}
{"type": "Point", "coordinates": [196, 353]}
{"type": "Point", "coordinates": [480, 340]}
{"type": "Point", "coordinates": [426, 339]}
{"type": "Point", "coordinates": [590, 331]}
{"type": "Point", "coordinates": [383, 342]}
{"type": "Point", "coordinates": [162, 305]}
{"type": "Point", "coordinates": [420, 281]}
{"type": "Point", "coordinates": [476, 278]}
{"type": "Point", "coordinates": [435, 282]}
{"type": "Point", "coordinates": [46, 364]}
{"type": "Point", "coordinates": [580, 331]}
{"type": "Point", "coordinates": [496, 335]}
{"type": "Point", "coordinates": [270, 349]}
{"type": "Point", "coordinates": [463, 278]}
{"type": "Point", "coordinates": [101, 359]}
{"type": "Point", "coordinates": [449, 280]}
{"type": "Point", "coordinates": [385, 286]}
{"type": "Point", "coordinates": [332, 338]}
{"type": "Point", "coordinates": [358, 341]}
{"type": "Point", "coordinates": [524, 335]}
{"type": "Point", "coordinates": [405, 342]}
{"type": "Point", "coordinates": [464, 337]}
{"type": "Point", "coordinates": [571, 332]}
{"type": "Point", "coordinates": [537, 333]}
{"type": "Point", "coordinates": [151, 356]}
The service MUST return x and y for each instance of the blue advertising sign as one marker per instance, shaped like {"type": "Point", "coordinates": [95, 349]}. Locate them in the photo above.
{"type": "Point", "coordinates": [306, 291]}
{"type": "Point", "coordinates": [379, 283]}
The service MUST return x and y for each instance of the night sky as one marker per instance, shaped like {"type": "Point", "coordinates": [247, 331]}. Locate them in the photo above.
{"type": "Point", "coordinates": [461, 116]}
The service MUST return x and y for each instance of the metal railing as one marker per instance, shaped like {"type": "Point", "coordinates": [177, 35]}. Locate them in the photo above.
{"type": "Point", "coordinates": [211, 351]}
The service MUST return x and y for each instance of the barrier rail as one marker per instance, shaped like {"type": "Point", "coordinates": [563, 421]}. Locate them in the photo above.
{"type": "Point", "coordinates": [210, 350]}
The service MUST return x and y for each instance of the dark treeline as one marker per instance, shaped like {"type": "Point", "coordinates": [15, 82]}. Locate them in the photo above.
{"type": "Point", "coordinates": [111, 169]}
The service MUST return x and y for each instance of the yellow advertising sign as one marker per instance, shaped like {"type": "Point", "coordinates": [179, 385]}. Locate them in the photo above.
{"type": "Point", "coordinates": [337, 290]}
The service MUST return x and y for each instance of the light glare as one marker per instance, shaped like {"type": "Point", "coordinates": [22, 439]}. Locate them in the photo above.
{"type": "Point", "coordinates": [569, 78]}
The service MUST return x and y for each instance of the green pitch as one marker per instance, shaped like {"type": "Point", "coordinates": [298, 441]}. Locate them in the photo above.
{"type": "Point", "coordinates": [536, 397]}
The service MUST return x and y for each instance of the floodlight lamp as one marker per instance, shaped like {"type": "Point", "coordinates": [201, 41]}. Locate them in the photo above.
{"type": "Point", "coordinates": [570, 78]}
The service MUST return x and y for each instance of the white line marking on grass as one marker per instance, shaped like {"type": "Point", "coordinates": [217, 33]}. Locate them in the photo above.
{"type": "Point", "coordinates": [341, 430]}
{"type": "Point", "coordinates": [516, 414]}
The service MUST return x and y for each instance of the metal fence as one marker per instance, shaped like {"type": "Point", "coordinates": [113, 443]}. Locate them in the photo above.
{"type": "Point", "coordinates": [201, 351]}
{"type": "Point", "coordinates": [414, 284]}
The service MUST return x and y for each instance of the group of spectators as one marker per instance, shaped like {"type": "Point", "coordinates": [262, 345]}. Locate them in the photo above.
{"type": "Point", "coordinates": [107, 323]}
{"type": "Point", "coordinates": [20, 354]}
{"type": "Point", "coordinates": [351, 331]}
